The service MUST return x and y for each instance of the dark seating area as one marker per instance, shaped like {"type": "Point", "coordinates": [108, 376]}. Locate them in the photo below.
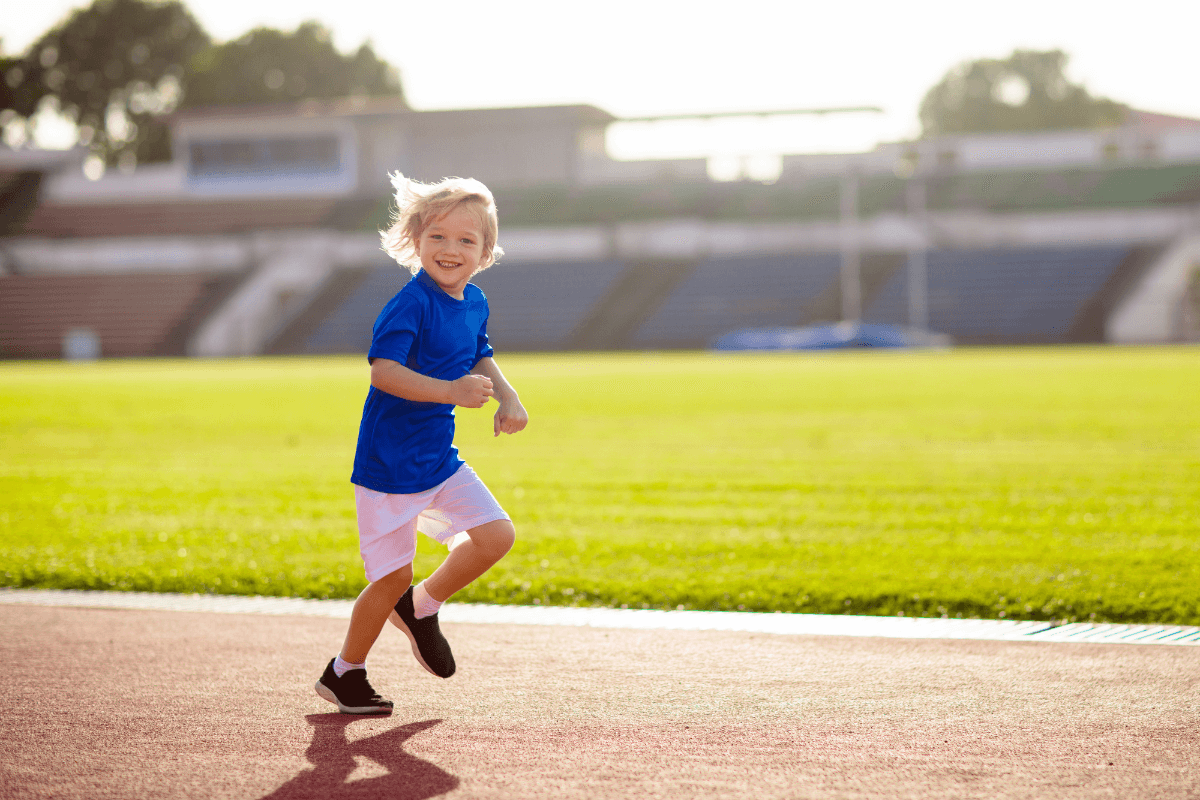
{"type": "Point", "coordinates": [1009, 295]}
{"type": "Point", "coordinates": [727, 294]}
{"type": "Point", "coordinates": [131, 314]}
{"type": "Point", "coordinates": [347, 328]}
{"type": "Point", "coordinates": [535, 305]}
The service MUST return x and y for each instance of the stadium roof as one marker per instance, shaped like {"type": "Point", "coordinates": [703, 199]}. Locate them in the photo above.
{"type": "Point", "coordinates": [382, 106]}
{"type": "Point", "coordinates": [1154, 120]}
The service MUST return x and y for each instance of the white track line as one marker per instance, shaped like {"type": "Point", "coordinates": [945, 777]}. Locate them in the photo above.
{"type": "Point", "coordinates": [785, 624]}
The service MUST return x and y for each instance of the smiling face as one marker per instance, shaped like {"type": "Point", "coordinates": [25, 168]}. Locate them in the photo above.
{"type": "Point", "coordinates": [451, 248]}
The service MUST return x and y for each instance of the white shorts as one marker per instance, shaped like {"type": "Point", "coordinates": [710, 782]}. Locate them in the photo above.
{"type": "Point", "coordinates": [388, 523]}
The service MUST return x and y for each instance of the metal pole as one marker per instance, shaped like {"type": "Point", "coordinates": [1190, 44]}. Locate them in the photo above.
{"type": "Point", "coordinates": [851, 257]}
{"type": "Point", "coordinates": [918, 257]}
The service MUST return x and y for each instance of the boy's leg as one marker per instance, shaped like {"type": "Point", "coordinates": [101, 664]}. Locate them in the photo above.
{"type": "Point", "coordinates": [488, 544]}
{"type": "Point", "coordinates": [346, 685]}
{"type": "Point", "coordinates": [371, 610]}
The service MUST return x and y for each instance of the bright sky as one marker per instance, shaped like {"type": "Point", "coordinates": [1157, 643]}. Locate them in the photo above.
{"type": "Point", "coordinates": [651, 57]}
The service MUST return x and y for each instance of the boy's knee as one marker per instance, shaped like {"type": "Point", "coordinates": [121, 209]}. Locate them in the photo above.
{"type": "Point", "coordinates": [494, 539]}
{"type": "Point", "coordinates": [509, 538]}
{"type": "Point", "coordinates": [397, 581]}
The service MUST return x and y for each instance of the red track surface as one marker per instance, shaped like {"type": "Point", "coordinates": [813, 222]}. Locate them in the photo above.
{"type": "Point", "coordinates": [157, 704]}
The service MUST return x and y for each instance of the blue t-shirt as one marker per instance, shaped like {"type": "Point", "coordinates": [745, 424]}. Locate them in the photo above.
{"type": "Point", "coordinates": [404, 446]}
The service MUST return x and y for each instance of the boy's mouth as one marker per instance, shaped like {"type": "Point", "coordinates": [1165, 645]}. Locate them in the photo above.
{"type": "Point", "coordinates": [447, 264]}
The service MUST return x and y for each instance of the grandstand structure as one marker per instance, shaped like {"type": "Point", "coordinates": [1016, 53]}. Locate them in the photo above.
{"type": "Point", "coordinates": [261, 236]}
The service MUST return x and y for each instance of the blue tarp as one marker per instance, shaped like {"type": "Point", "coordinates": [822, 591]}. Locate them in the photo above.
{"type": "Point", "coordinates": [829, 337]}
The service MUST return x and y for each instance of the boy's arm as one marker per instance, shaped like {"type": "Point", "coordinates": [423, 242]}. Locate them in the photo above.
{"type": "Point", "coordinates": [511, 417]}
{"type": "Point", "coordinates": [469, 391]}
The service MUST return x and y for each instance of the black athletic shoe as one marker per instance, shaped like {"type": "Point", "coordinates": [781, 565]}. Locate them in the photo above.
{"type": "Point", "coordinates": [351, 693]}
{"type": "Point", "coordinates": [428, 644]}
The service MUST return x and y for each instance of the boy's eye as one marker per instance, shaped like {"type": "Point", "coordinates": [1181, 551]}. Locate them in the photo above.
{"type": "Point", "coordinates": [467, 241]}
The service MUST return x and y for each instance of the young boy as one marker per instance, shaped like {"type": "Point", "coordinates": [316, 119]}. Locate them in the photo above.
{"type": "Point", "coordinates": [429, 353]}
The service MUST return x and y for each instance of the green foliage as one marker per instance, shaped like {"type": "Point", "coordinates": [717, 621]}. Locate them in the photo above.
{"type": "Point", "coordinates": [270, 66]}
{"type": "Point", "coordinates": [1033, 484]}
{"type": "Point", "coordinates": [1028, 91]}
{"type": "Point", "coordinates": [118, 67]}
{"type": "Point", "coordinates": [114, 67]}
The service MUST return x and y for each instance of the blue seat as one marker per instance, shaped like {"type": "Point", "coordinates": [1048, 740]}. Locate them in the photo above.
{"type": "Point", "coordinates": [728, 294]}
{"type": "Point", "coordinates": [1029, 294]}
{"type": "Point", "coordinates": [347, 329]}
{"type": "Point", "coordinates": [534, 305]}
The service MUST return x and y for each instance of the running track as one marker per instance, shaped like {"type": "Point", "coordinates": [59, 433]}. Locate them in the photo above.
{"type": "Point", "coordinates": [108, 703]}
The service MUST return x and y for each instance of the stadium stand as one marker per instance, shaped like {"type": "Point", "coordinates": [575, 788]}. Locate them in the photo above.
{"type": "Point", "coordinates": [1048, 190]}
{"type": "Point", "coordinates": [639, 291]}
{"type": "Point", "coordinates": [727, 294]}
{"type": "Point", "coordinates": [178, 218]}
{"type": "Point", "coordinates": [346, 328]}
{"type": "Point", "coordinates": [535, 305]}
{"type": "Point", "coordinates": [294, 334]}
{"type": "Point", "coordinates": [1009, 295]}
{"type": "Point", "coordinates": [1117, 186]}
{"type": "Point", "coordinates": [875, 270]}
{"type": "Point", "coordinates": [131, 315]}
{"type": "Point", "coordinates": [1089, 324]}
{"type": "Point", "coordinates": [816, 198]}
{"type": "Point", "coordinates": [301, 276]}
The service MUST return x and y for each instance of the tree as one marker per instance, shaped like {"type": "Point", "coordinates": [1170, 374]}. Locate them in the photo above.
{"type": "Point", "coordinates": [118, 67]}
{"type": "Point", "coordinates": [8, 93]}
{"type": "Point", "coordinates": [270, 66]}
{"type": "Point", "coordinates": [1026, 91]}
{"type": "Point", "coordinates": [114, 68]}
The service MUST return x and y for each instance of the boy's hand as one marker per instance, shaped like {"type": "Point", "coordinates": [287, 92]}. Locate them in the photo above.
{"type": "Point", "coordinates": [471, 391]}
{"type": "Point", "coordinates": [511, 417]}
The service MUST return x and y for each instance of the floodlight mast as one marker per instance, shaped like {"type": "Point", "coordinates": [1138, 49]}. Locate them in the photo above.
{"type": "Point", "coordinates": [788, 112]}
{"type": "Point", "coordinates": [918, 255]}
{"type": "Point", "coordinates": [851, 254]}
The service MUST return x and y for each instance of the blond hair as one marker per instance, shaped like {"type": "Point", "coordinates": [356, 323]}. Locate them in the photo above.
{"type": "Point", "coordinates": [418, 204]}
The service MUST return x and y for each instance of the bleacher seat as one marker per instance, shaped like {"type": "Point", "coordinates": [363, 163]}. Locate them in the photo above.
{"type": "Point", "coordinates": [726, 294]}
{"type": "Point", "coordinates": [131, 314]}
{"type": "Point", "coordinates": [534, 305]}
{"type": "Point", "coordinates": [1028, 294]}
{"type": "Point", "coordinates": [347, 329]}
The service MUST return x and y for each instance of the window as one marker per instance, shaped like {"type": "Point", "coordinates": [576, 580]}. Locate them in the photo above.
{"type": "Point", "coordinates": [282, 156]}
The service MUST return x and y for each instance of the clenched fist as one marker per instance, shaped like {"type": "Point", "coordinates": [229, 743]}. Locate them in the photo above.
{"type": "Point", "coordinates": [471, 391]}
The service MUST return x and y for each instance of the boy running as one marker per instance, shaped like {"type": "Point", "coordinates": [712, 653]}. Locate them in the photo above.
{"type": "Point", "coordinates": [429, 353]}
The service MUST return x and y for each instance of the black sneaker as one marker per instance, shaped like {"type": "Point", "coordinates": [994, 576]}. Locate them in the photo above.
{"type": "Point", "coordinates": [428, 645]}
{"type": "Point", "coordinates": [351, 693]}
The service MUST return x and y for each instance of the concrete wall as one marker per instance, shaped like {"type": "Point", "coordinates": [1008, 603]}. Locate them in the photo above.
{"type": "Point", "coordinates": [1154, 311]}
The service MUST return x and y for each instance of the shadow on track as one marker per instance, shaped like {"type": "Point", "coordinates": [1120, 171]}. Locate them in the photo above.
{"type": "Point", "coordinates": [333, 759]}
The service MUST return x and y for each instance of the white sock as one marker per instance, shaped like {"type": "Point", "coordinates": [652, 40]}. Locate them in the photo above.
{"type": "Point", "coordinates": [341, 667]}
{"type": "Point", "coordinates": [423, 604]}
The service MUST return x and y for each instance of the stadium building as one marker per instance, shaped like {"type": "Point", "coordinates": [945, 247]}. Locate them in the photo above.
{"type": "Point", "coordinates": [261, 236]}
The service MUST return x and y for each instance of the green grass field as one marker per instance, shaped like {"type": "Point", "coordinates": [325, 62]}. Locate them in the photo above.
{"type": "Point", "coordinates": [1020, 483]}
